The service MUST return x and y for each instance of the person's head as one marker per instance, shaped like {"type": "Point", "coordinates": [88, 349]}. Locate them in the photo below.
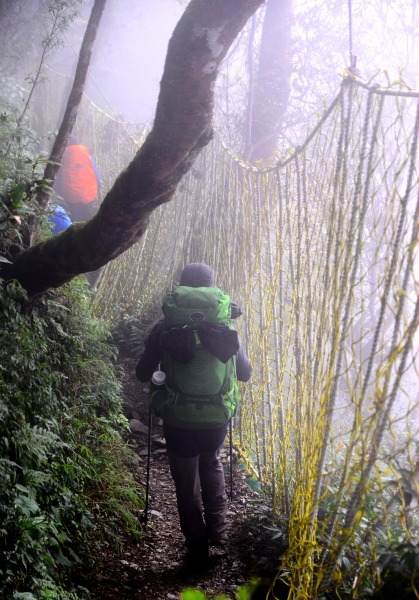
{"type": "Point", "coordinates": [197, 275]}
{"type": "Point", "coordinates": [73, 140]}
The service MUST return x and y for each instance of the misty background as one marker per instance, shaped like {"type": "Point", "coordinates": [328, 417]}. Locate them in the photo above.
{"type": "Point", "coordinates": [129, 53]}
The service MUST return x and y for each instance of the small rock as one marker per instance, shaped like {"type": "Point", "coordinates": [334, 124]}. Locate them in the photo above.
{"type": "Point", "coordinates": [146, 390]}
{"type": "Point", "coordinates": [156, 513]}
{"type": "Point", "coordinates": [143, 452]}
{"type": "Point", "coordinates": [159, 440]}
{"type": "Point", "coordinates": [172, 596]}
{"type": "Point", "coordinates": [160, 450]}
{"type": "Point", "coordinates": [137, 426]}
{"type": "Point", "coordinates": [136, 415]}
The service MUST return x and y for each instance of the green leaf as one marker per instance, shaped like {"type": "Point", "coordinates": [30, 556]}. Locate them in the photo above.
{"type": "Point", "coordinates": [63, 560]}
{"type": "Point", "coordinates": [22, 488]}
{"type": "Point", "coordinates": [75, 556]}
{"type": "Point", "coordinates": [49, 560]}
{"type": "Point", "coordinates": [16, 194]}
{"type": "Point", "coordinates": [243, 593]}
{"type": "Point", "coordinates": [253, 483]}
{"type": "Point", "coordinates": [27, 505]}
{"type": "Point", "coordinates": [190, 594]}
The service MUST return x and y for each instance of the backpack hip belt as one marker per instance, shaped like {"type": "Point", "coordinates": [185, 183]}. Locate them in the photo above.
{"type": "Point", "coordinates": [217, 400]}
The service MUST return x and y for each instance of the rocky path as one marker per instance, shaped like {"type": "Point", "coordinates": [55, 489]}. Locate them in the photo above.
{"type": "Point", "coordinates": [153, 568]}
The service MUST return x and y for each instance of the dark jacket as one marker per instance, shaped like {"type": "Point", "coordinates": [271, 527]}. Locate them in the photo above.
{"type": "Point", "coordinates": [193, 275]}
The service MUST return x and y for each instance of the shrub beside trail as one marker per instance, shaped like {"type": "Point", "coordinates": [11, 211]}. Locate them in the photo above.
{"type": "Point", "coordinates": [65, 485]}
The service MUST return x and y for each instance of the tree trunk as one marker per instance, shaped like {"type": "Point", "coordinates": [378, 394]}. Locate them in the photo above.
{"type": "Point", "coordinates": [182, 127]}
{"type": "Point", "coordinates": [67, 91]}
{"type": "Point", "coordinates": [249, 108]}
{"type": "Point", "coordinates": [272, 90]}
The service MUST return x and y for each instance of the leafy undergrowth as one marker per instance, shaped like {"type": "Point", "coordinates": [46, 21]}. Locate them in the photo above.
{"type": "Point", "coordinates": [245, 592]}
{"type": "Point", "coordinates": [65, 482]}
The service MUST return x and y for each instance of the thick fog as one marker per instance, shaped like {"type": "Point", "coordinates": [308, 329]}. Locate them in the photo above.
{"type": "Point", "coordinates": [129, 54]}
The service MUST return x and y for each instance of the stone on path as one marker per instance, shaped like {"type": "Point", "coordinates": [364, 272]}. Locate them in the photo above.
{"type": "Point", "coordinates": [138, 427]}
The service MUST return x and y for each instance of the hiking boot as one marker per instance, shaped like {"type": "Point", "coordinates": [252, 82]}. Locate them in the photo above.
{"type": "Point", "coordinates": [221, 540]}
{"type": "Point", "coordinates": [197, 557]}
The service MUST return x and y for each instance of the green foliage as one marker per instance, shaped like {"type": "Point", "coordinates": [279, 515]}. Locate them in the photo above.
{"type": "Point", "coordinates": [130, 326]}
{"type": "Point", "coordinates": [190, 594]}
{"type": "Point", "coordinates": [64, 480]}
{"type": "Point", "coordinates": [18, 144]}
{"type": "Point", "coordinates": [269, 537]}
{"type": "Point", "coordinates": [20, 177]}
{"type": "Point", "coordinates": [244, 592]}
{"type": "Point", "coordinates": [399, 565]}
{"type": "Point", "coordinates": [61, 13]}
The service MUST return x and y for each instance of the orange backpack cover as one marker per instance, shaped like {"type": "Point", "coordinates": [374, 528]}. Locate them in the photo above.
{"type": "Point", "coordinates": [78, 179]}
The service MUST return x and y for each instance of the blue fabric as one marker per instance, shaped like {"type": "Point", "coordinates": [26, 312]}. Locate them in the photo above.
{"type": "Point", "coordinates": [60, 219]}
{"type": "Point", "coordinates": [96, 170]}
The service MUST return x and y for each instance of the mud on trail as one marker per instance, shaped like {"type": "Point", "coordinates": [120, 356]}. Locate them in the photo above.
{"type": "Point", "coordinates": [153, 567]}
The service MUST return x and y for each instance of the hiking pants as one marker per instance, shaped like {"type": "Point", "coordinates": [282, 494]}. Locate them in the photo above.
{"type": "Point", "coordinates": [199, 481]}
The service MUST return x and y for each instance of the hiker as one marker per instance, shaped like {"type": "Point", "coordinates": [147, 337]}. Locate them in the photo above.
{"type": "Point", "coordinates": [78, 181]}
{"type": "Point", "coordinates": [195, 346]}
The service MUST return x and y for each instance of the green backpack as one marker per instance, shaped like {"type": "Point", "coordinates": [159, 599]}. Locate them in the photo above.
{"type": "Point", "coordinates": [202, 393]}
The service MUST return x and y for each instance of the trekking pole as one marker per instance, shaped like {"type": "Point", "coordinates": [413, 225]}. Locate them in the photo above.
{"type": "Point", "coordinates": [231, 458]}
{"type": "Point", "coordinates": [150, 419]}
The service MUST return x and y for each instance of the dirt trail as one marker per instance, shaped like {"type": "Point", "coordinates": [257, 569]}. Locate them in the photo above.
{"type": "Point", "coordinates": [153, 568]}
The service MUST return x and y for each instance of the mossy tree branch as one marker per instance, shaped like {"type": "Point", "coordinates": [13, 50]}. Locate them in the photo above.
{"type": "Point", "coordinates": [182, 127]}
